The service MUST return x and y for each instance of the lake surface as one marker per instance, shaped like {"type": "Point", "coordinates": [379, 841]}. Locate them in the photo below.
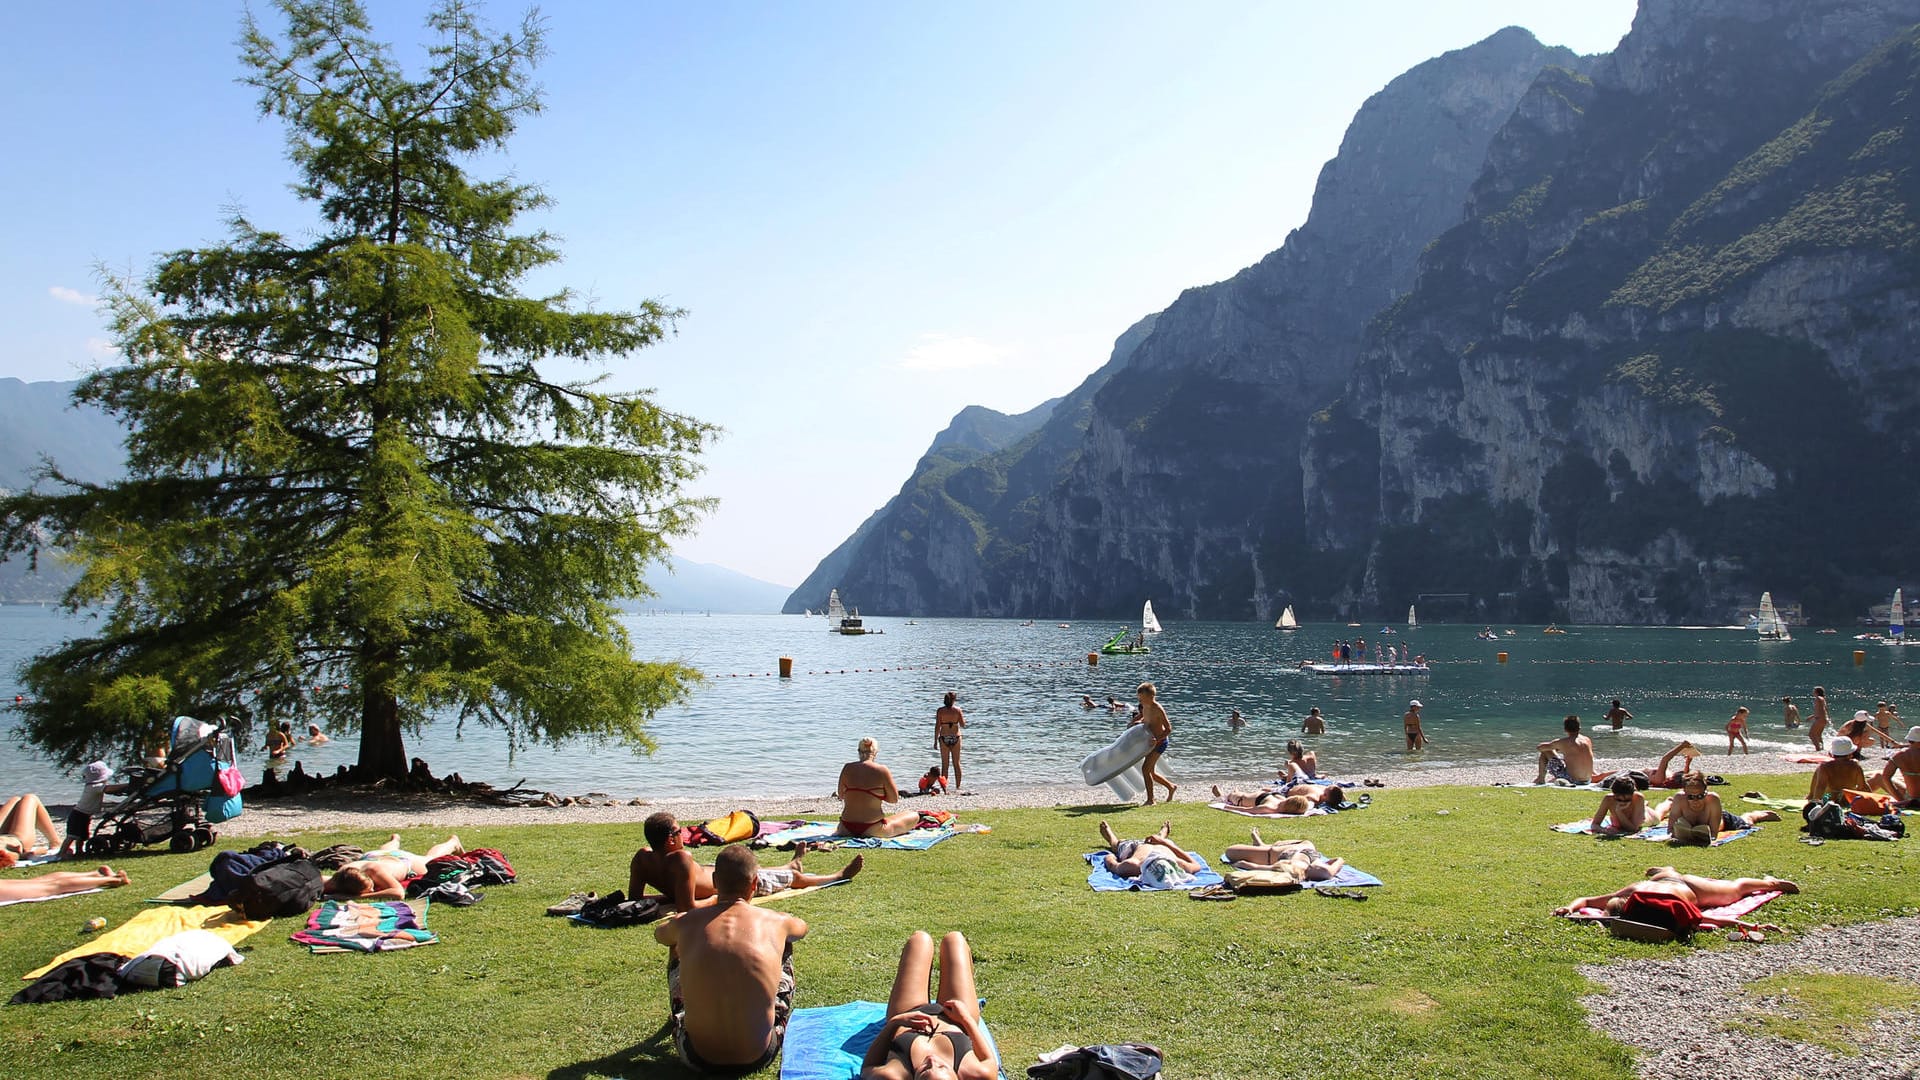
{"type": "Point", "coordinates": [748, 732]}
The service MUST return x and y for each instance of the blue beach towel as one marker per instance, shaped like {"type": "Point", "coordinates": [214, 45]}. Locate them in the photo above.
{"type": "Point", "coordinates": [1103, 881]}
{"type": "Point", "coordinates": [1348, 878]}
{"type": "Point", "coordinates": [829, 1043]}
{"type": "Point", "coordinates": [822, 832]}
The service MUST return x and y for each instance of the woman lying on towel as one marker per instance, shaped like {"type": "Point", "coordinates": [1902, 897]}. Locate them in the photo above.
{"type": "Point", "coordinates": [1702, 892]}
{"type": "Point", "coordinates": [1156, 860]}
{"type": "Point", "coordinates": [1623, 810]}
{"type": "Point", "coordinates": [60, 883]}
{"type": "Point", "coordinates": [1296, 857]}
{"type": "Point", "coordinates": [381, 874]}
{"type": "Point", "coordinates": [1299, 799]}
{"type": "Point", "coordinates": [934, 1039]}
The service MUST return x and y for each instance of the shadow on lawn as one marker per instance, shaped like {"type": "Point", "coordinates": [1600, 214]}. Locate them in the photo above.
{"type": "Point", "coordinates": [652, 1056]}
{"type": "Point", "coordinates": [1091, 809]}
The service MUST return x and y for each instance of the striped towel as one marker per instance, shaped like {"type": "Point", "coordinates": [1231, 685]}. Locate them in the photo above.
{"type": "Point", "coordinates": [350, 926]}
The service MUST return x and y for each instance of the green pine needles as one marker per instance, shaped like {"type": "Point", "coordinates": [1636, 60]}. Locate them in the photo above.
{"type": "Point", "coordinates": [353, 496]}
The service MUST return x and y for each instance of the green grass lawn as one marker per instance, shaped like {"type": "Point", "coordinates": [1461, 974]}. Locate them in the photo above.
{"type": "Point", "coordinates": [1455, 967]}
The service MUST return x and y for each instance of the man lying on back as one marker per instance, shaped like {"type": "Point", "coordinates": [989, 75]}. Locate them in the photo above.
{"type": "Point", "coordinates": [730, 973]}
{"type": "Point", "coordinates": [666, 865]}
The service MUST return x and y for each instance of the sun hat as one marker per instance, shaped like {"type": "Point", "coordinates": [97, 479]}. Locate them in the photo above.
{"type": "Point", "coordinates": [1862, 714]}
{"type": "Point", "coordinates": [1841, 746]}
{"type": "Point", "coordinates": [96, 772]}
{"type": "Point", "coordinates": [1913, 734]}
{"type": "Point", "coordinates": [1415, 704]}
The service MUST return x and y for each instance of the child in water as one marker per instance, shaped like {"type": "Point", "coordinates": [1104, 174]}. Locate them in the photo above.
{"type": "Point", "coordinates": [1737, 729]}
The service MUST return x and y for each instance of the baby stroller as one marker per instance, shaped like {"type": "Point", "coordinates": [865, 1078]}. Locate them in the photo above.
{"type": "Point", "coordinates": [179, 803]}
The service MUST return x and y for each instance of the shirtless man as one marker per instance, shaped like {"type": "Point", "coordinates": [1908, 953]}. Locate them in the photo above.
{"type": "Point", "coordinates": [1618, 715]}
{"type": "Point", "coordinates": [1699, 891]}
{"type": "Point", "coordinates": [1155, 859]}
{"type": "Point", "coordinates": [1314, 724]}
{"type": "Point", "coordinates": [947, 722]}
{"type": "Point", "coordinates": [730, 973]}
{"type": "Point", "coordinates": [1843, 772]}
{"type": "Point", "coordinates": [1161, 728]}
{"type": "Point", "coordinates": [1695, 816]}
{"type": "Point", "coordinates": [1906, 786]}
{"type": "Point", "coordinates": [1883, 722]}
{"type": "Point", "coordinates": [1790, 713]}
{"type": "Point", "coordinates": [1416, 738]}
{"type": "Point", "coordinates": [381, 874]}
{"type": "Point", "coordinates": [1569, 757]}
{"type": "Point", "coordinates": [1818, 726]}
{"type": "Point", "coordinates": [665, 865]}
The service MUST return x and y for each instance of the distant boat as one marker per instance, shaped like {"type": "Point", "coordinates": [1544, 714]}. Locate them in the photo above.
{"type": "Point", "coordinates": [1553, 630]}
{"type": "Point", "coordinates": [1118, 645]}
{"type": "Point", "coordinates": [1363, 668]}
{"type": "Point", "coordinates": [1767, 621]}
{"type": "Point", "coordinates": [1897, 620]}
{"type": "Point", "coordinates": [838, 621]}
{"type": "Point", "coordinates": [1286, 620]}
{"type": "Point", "coordinates": [1413, 621]}
{"type": "Point", "coordinates": [1148, 623]}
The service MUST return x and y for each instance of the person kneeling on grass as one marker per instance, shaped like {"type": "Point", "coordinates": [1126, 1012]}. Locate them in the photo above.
{"type": "Point", "coordinates": [730, 973]}
{"type": "Point", "coordinates": [1298, 858]}
{"type": "Point", "coordinates": [1299, 799]}
{"type": "Point", "coordinates": [1155, 860]}
{"type": "Point", "coordinates": [1650, 900]}
{"type": "Point", "coordinates": [382, 874]}
{"type": "Point", "coordinates": [665, 865]}
{"type": "Point", "coordinates": [1695, 816]}
{"type": "Point", "coordinates": [938, 1038]}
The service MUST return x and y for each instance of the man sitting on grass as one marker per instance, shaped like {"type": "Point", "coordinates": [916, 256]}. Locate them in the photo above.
{"type": "Point", "coordinates": [1568, 758]}
{"type": "Point", "coordinates": [665, 864]}
{"type": "Point", "coordinates": [730, 974]}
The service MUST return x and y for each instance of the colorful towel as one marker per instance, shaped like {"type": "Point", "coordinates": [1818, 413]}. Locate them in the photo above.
{"type": "Point", "coordinates": [351, 926]}
{"type": "Point", "coordinates": [1739, 907]}
{"type": "Point", "coordinates": [139, 933]}
{"type": "Point", "coordinates": [1807, 759]}
{"type": "Point", "coordinates": [1314, 812]}
{"type": "Point", "coordinates": [1103, 880]}
{"type": "Point", "coordinates": [823, 834]}
{"type": "Point", "coordinates": [1782, 805]}
{"type": "Point", "coordinates": [1593, 786]}
{"type": "Point", "coordinates": [786, 894]}
{"type": "Point", "coordinates": [829, 1043]}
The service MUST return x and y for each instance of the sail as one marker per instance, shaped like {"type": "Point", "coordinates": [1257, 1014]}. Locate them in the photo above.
{"type": "Point", "coordinates": [1147, 622]}
{"type": "Point", "coordinates": [1767, 622]}
{"type": "Point", "coordinates": [1897, 617]}
{"type": "Point", "coordinates": [1412, 619]}
{"type": "Point", "coordinates": [835, 612]}
{"type": "Point", "coordinates": [1286, 620]}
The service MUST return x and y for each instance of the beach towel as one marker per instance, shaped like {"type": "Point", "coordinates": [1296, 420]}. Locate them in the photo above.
{"type": "Point", "coordinates": [38, 899]}
{"type": "Point", "coordinates": [1795, 805]}
{"type": "Point", "coordinates": [1807, 759]}
{"type": "Point", "coordinates": [38, 860]}
{"type": "Point", "coordinates": [1100, 879]}
{"type": "Point", "coordinates": [822, 833]}
{"type": "Point", "coordinates": [351, 926]}
{"type": "Point", "coordinates": [141, 932]}
{"type": "Point", "coordinates": [1347, 878]}
{"type": "Point", "coordinates": [828, 1043]}
{"type": "Point", "coordinates": [183, 892]}
{"type": "Point", "coordinates": [1657, 833]}
{"type": "Point", "coordinates": [1739, 907]}
{"type": "Point", "coordinates": [788, 893]}
{"type": "Point", "coordinates": [1313, 812]}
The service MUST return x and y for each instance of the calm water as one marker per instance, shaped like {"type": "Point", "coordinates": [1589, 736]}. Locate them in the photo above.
{"type": "Point", "coordinates": [748, 732]}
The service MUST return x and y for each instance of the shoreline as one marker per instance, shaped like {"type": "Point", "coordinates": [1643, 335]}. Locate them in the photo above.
{"type": "Point", "coordinates": [358, 811]}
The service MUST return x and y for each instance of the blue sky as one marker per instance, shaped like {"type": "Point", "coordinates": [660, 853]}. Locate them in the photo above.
{"type": "Point", "coordinates": [875, 214]}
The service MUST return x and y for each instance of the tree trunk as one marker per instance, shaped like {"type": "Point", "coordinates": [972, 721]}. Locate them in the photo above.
{"type": "Point", "coordinates": [383, 750]}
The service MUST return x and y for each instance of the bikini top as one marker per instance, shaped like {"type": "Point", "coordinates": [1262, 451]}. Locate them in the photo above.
{"type": "Point", "coordinates": [958, 1041]}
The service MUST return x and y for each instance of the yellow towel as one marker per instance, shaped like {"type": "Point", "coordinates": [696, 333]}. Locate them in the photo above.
{"type": "Point", "coordinates": [139, 933]}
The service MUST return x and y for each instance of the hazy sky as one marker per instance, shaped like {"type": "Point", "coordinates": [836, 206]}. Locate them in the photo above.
{"type": "Point", "coordinates": [875, 214]}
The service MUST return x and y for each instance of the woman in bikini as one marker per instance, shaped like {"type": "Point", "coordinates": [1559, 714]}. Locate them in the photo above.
{"type": "Point", "coordinates": [866, 786]}
{"type": "Point", "coordinates": [947, 722]}
{"type": "Point", "coordinates": [1298, 799]}
{"type": "Point", "coordinates": [26, 829]}
{"type": "Point", "coordinates": [1298, 858]}
{"type": "Point", "coordinates": [381, 874]}
{"type": "Point", "coordinates": [939, 1039]}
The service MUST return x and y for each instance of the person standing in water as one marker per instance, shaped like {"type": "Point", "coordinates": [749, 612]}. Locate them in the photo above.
{"type": "Point", "coordinates": [1314, 724]}
{"type": "Point", "coordinates": [1416, 738]}
{"type": "Point", "coordinates": [947, 722]}
{"type": "Point", "coordinates": [1818, 726]}
{"type": "Point", "coordinates": [1791, 713]}
{"type": "Point", "coordinates": [1618, 715]}
{"type": "Point", "coordinates": [1161, 728]}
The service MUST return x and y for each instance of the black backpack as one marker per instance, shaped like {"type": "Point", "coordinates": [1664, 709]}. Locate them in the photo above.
{"type": "Point", "coordinates": [1108, 1061]}
{"type": "Point", "coordinates": [290, 886]}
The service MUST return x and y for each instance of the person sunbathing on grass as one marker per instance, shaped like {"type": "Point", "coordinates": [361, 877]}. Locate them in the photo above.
{"type": "Point", "coordinates": [1661, 778]}
{"type": "Point", "coordinates": [26, 829]}
{"type": "Point", "coordinates": [1156, 860]}
{"type": "Point", "coordinates": [1623, 810]}
{"type": "Point", "coordinates": [1695, 816]}
{"type": "Point", "coordinates": [1299, 799]}
{"type": "Point", "coordinates": [1297, 858]}
{"type": "Point", "coordinates": [937, 1038]}
{"type": "Point", "coordinates": [1702, 892]}
{"type": "Point", "coordinates": [61, 883]}
{"type": "Point", "coordinates": [665, 865]}
{"type": "Point", "coordinates": [382, 874]}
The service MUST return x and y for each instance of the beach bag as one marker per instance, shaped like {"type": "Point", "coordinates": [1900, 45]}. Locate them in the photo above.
{"type": "Point", "coordinates": [230, 780]}
{"type": "Point", "coordinates": [291, 886]}
{"type": "Point", "coordinates": [1827, 820]}
{"type": "Point", "coordinates": [219, 806]}
{"type": "Point", "coordinates": [229, 869]}
{"type": "Point", "coordinates": [727, 829]}
{"type": "Point", "coordinates": [1261, 881]}
{"type": "Point", "coordinates": [1641, 781]}
{"type": "Point", "coordinates": [1107, 1061]}
{"type": "Point", "coordinates": [1869, 803]}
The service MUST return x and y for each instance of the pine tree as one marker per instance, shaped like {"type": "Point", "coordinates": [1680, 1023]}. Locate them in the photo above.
{"type": "Point", "coordinates": [352, 494]}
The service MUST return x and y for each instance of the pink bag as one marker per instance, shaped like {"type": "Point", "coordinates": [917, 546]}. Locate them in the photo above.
{"type": "Point", "coordinates": [230, 780]}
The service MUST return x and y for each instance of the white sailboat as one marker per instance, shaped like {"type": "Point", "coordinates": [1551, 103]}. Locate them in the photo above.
{"type": "Point", "coordinates": [1148, 623]}
{"type": "Point", "coordinates": [1897, 620]}
{"type": "Point", "coordinates": [1286, 620]}
{"type": "Point", "coordinates": [1413, 621]}
{"type": "Point", "coordinates": [1767, 621]}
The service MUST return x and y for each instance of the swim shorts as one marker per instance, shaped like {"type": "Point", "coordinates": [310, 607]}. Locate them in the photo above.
{"type": "Point", "coordinates": [782, 1009]}
{"type": "Point", "coordinates": [1557, 767]}
{"type": "Point", "coordinates": [772, 881]}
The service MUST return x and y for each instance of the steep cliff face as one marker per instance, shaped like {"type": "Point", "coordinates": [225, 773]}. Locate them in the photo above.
{"type": "Point", "coordinates": [1654, 370]}
{"type": "Point", "coordinates": [1176, 475]}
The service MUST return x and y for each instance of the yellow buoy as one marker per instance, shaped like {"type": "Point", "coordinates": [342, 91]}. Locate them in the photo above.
{"type": "Point", "coordinates": [1859, 658]}
{"type": "Point", "coordinates": [1502, 657]}
{"type": "Point", "coordinates": [786, 667]}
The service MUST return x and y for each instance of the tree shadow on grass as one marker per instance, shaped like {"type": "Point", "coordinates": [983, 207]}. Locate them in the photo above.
{"type": "Point", "coordinates": [652, 1056]}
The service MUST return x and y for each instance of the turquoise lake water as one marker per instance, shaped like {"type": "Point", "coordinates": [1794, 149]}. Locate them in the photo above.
{"type": "Point", "coordinates": [747, 732]}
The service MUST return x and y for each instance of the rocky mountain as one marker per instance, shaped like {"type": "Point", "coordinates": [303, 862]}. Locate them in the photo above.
{"type": "Point", "coordinates": [1174, 471]}
{"type": "Point", "coordinates": [1667, 358]}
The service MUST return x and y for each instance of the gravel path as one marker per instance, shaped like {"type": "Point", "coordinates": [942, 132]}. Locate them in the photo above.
{"type": "Point", "coordinates": [1666, 995]}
